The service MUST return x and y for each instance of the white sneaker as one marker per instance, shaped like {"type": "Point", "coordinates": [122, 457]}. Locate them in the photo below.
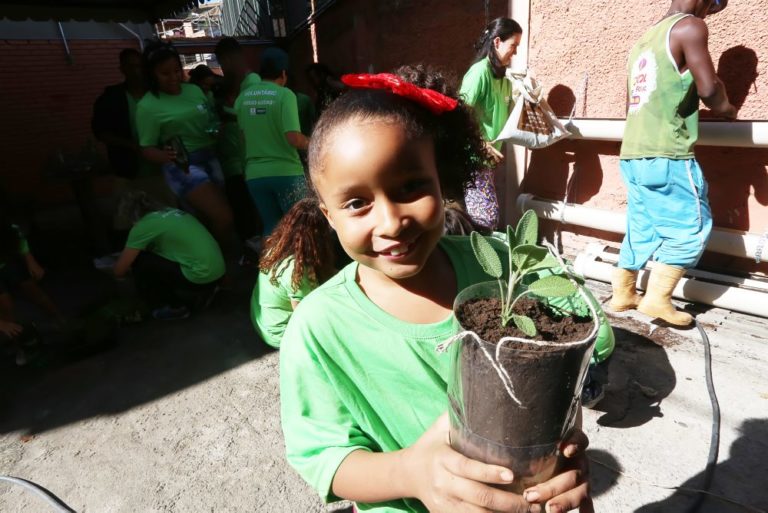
{"type": "Point", "coordinates": [105, 263]}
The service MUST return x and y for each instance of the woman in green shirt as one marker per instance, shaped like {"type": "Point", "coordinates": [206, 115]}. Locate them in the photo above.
{"type": "Point", "coordinates": [175, 261]}
{"type": "Point", "coordinates": [489, 93]}
{"type": "Point", "coordinates": [176, 126]}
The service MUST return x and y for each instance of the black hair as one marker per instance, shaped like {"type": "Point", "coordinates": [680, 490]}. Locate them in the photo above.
{"type": "Point", "coordinates": [200, 73]}
{"type": "Point", "coordinates": [155, 53]}
{"type": "Point", "coordinates": [227, 46]}
{"type": "Point", "coordinates": [270, 70]}
{"type": "Point", "coordinates": [126, 54]}
{"type": "Point", "coordinates": [460, 152]}
{"type": "Point", "coordinates": [458, 222]}
{"type": "Point", "coordinates": [136, 204]}
{"type": "Point", "coordinates": [274, 61]}
{"type": "Point", "coordinates": [503, 28]}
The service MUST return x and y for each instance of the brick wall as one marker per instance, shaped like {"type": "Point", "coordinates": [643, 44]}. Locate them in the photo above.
{"type": "Point", "coordinates": [355, 36]}
{"type": "Point", "coordinates": [46, 103]}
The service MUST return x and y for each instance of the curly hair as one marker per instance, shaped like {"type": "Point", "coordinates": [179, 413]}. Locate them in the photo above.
{"type": "Point", "coordinates": [305, 234]}
{"type": "Point", "coordinates": [460, 152]}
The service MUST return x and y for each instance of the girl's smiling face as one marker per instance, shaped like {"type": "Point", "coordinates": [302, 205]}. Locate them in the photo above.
{"type": "Point", "coordinates": [169, 76]}
{"type": "Point", "coordinates": [380, 191]}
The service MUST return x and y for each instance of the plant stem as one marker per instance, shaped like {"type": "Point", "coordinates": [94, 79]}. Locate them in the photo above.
{"type": "Point", "coordinates": [516, 299]}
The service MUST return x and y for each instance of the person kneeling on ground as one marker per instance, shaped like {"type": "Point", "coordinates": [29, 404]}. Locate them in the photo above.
{"type": "Point", "coordinates": [20, 272]}
{"type": "Point", "coordinates": [176, 262]}
{"type": "Point", "coordinates": [297, 258]}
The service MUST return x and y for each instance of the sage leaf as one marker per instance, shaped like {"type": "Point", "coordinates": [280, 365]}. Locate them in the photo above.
{"type": "Point", "coordinates": [552, 286]}
{"type": "Point", "coordinates": [525, 257]}
{"type": "Point", "coordinates": [527, 229]}
{"type": "Point", "coordinates": [486, 255]}
{"type": "Point", "coordinates": [524, 324]}
{"type": "Point", "coordinates": [548, 262]}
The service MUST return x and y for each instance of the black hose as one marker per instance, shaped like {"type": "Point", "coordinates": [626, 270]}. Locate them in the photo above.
{"type": "Point", "coordinates": [714, 441]}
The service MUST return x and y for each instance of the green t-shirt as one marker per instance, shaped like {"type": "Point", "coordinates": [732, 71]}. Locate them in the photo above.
{"type": "Point", "coordinates": [663, 109]}
{"type": "Point", "coordinates": [490, 97]}
{"type": "Point", "coordinates": [188, 115]}
{"type": "Point", "coordinates": [23, 244]}
{"type": "Point", "coordinates": [145, 168]}
{"type": "Point", "coordinates": [265, 112]}
{"type": "Point", "coordinates": [229, 147]}
{"type": "Point", "coordinates": [230, 150]}
{"type": "Point", "coordinates": [306, 113]}
{"type": "Point", "coordinates": [271, 304]}
{"type": "Point", "coordinates": [354, 377]}
{"type": "Point", "coordinates": [179, 237]}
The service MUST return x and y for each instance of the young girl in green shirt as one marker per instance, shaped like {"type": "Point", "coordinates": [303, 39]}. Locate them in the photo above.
{"type": "Point", "coordinates": [363, 391]}
{"type": "Point", "coordinates": [297, 257]}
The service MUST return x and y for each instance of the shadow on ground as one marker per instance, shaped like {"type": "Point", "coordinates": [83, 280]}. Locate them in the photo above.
{"type": "Point", "coordinates": [149, 360]}
{"type": "Point", "coordinates": [740, 477]}
{"type": "Point", "coordinates": [640, 377]}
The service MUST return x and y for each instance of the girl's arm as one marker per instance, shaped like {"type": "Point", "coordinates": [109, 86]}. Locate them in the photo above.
{"type": "Point", "coordinates": [124, 263]}
{"type": "Point", "coordinates": [446, 481]}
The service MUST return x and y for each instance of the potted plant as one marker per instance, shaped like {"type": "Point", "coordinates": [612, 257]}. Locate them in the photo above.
{"type": "Point", "coordinates": [520, 358]}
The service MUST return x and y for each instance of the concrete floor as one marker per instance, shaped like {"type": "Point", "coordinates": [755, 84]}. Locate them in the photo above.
{"type": "Point", "coordinates": [184, 416]}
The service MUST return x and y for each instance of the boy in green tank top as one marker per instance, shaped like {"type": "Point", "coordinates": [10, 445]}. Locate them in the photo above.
{"type": "Point", "coordinates": [668, 215]}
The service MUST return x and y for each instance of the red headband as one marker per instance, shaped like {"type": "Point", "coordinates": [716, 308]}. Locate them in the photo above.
{"type": "Point", "coordinates": [436, 102]}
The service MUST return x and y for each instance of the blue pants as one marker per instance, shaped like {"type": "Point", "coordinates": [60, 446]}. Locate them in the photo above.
{"type": "Point", "coordinates": [274, 196]}
{"type": "Point", "coordinates": [668, 215]}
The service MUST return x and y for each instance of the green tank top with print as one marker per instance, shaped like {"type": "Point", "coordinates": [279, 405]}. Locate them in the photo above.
{"type": "Point", "coordinates": [663, 105]}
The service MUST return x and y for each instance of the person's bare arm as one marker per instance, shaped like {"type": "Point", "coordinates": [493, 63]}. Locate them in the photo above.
{"type": "Point", "coordinates": [446, 481]}
{"type": "Point", "coordinates": [157, 155]}
{"type": "Point", "coordinates": [124, 263]}
{"type": "Point", "coordinates": [690, 40]}
{"type": "Point", "coordinates": [297, 140]}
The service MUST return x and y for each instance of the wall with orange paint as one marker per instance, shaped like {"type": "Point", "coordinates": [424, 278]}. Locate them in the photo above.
{"type": "Point", "coordinates": [593, 37]}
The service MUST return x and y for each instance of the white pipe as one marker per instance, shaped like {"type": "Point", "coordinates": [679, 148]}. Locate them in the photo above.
{"type": "Point", "coordinates": [732, 298]}
{"type": "Point", "coordinates": [601, 252]}
{"type": "Point", "coordinates": [741, 134]}
{"type": "Point", "coordinates": [725, 241]}
{"type": "Point", "coordinates": [137, 36]}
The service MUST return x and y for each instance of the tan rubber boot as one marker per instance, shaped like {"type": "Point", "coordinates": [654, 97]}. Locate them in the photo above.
{"type": "Point", "coordinates": [657, 300]}
{"type": "Point", "coordinates": [625, 296]}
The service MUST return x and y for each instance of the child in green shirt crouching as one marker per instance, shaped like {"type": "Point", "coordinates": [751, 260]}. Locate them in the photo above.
{"type": "Point", "coordinates": [297, 257]}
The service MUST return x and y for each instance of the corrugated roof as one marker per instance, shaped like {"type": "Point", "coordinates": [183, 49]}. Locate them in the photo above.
{"type": "Point", "coordinates": [96, 10]}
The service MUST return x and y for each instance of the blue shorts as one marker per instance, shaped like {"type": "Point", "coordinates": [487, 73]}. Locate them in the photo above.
{"type": "Point", "coordinates": [668, 214]}
{"type": "Point", "coordinates": [203, 167]}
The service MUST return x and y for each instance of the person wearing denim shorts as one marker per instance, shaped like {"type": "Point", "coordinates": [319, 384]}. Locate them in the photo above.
{"type": "Point", "coordinates": [180, 112]}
